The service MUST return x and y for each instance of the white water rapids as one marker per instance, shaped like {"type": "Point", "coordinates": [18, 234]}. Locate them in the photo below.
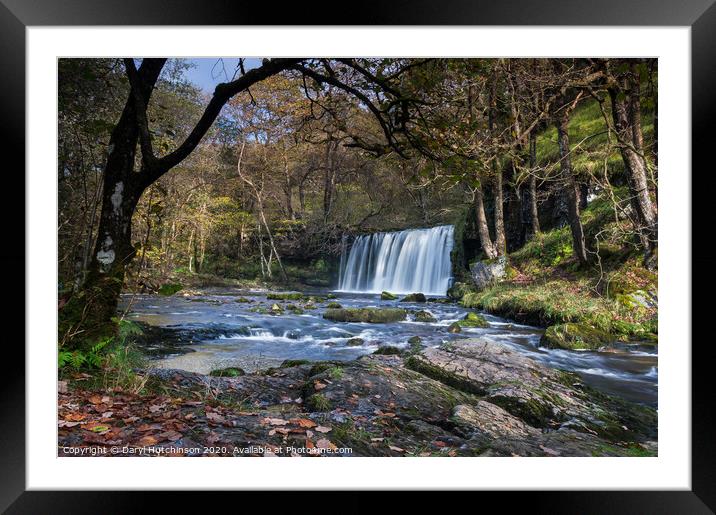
{"type": "Point", "coordinates": [414, 260]}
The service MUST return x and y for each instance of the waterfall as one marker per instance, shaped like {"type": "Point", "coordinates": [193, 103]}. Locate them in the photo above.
{"type": "Point", "coordinates": [415, 260]}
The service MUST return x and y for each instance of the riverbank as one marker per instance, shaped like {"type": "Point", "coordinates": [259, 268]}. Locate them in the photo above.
{"type": "Point", "coordinates": [302, 275]}
{"type": "Point", "coordinates": [544, 285]}
{"type": "Point", "coordinates": [466, 398]}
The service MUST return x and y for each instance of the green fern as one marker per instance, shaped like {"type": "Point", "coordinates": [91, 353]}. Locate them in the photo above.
{"type": "Point", "coordinates": [64, 358]}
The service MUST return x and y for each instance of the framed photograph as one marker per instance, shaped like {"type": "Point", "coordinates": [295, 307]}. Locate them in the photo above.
{"type": "Point", "coordinates": [436, 241]}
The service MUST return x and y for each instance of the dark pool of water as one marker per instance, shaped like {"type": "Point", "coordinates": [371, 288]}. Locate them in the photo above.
{"type": "Point", "coordinates": [252, 340]}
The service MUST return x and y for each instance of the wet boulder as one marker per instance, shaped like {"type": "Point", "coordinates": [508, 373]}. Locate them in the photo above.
{"type": "Point", "coordinates": [454, 328]}
{"type": "Point", "coordinates": [473, 320]}
{"type": "Point", "coordinates": [369, 315]}
{"type": "Point", "coordinates": [414, 297]}
{"type": "Point", "coordinates": [388, 350]}
{"type": "Point", "coordinates": [296, 310]}
{"type": "Point", "coordinates": [542, 397]}
{"type": "Point", "coordinates": [355, 342]}
{"type": "Point", "coordinates": [424, 316]}
{"type": "Point", "coordinates": [573, 336]}
{"type": "Point", "coordinates": [285, 296]}
{"type": "Point", "coordinates": [386, 295]}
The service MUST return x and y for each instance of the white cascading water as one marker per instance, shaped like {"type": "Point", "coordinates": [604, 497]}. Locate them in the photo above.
{"type": "Point", "coordinates": [411, 261]}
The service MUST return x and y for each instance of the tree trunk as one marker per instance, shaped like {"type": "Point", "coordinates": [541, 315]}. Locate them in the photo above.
{"type": "Point", "coordinates": [482, 228]}
{"type": "Point", "coordinates": [329, 181]}
{"type": "Point", "coordinates": [190, 250]}
{"type": "Point", "coordinates": [570, 189]}
{"type": "Point", "coordinates": [624, 114]}
{"type": "Point", "coordinates": [500, 245]}
{"type": "Point", "coordinates": [532, 188]}
{"type": "Point", "coordinates": [288, 189]}
{"type": "Point", "coordinates": [500, 241]}
{"type": "Point", "coordinates": [583, 195]}
{"type": "Point", "coordinates": [88, 317]}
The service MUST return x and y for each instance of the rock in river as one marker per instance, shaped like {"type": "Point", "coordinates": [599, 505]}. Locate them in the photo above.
{"type": "Point", "coordinates": [371, 315]}
{"type": "Point", "coordinates": [572, 336]}
{"type": "Point", "coordinates": [424, 316]}
{"type": "Point", "coordinates": [386, 295]}
{"type": "Point", "coordinates": [473, 320]}
{"type": "Point", "coordinates": [414, 297]}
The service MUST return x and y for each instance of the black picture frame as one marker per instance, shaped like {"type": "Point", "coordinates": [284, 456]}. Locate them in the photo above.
{"type": "Point", "coordinates": [700, 15]}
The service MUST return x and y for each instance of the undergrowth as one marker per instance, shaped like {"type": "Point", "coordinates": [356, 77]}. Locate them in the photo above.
{"type": "Point", "coordinates": [110, 363]}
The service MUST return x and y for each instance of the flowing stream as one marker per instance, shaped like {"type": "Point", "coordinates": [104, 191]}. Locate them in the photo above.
{"type": "Point", "coordinates": [225, 332]}
{"type": "Point", "coordinates": [226, 327]}
{"type": "Point", "coordinates": [414, 260]}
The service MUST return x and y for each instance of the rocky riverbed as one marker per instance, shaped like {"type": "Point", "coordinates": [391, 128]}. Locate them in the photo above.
{"type": "Point", "coordinates": [201, 331]}
{"type": "Point", "coordinates": [470, 397]}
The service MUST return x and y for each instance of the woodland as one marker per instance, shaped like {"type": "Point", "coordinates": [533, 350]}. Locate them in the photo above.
{"type": "Point", "coordinates": [498, 213]}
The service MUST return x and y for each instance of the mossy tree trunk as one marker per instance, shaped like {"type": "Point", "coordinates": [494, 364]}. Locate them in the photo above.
{"type": "Point", "coordinates": [625, 97]}
{"type": "Point", "coordinates": [87, 316]}
{"type": "Point", "coordinates": [570, 188]}
{"type": "Point", "coordinates": [534, 227]}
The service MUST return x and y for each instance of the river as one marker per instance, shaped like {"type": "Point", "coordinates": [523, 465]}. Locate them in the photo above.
{"type": "Point", "coordinates": [229, 333]}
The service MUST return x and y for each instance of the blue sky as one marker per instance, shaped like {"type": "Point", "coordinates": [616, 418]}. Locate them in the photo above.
{"type": "Point", "coordinates": [210, 71]}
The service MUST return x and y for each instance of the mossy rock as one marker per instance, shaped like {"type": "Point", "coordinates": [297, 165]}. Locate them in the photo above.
{"type": "Point", "coordinates": [318, 402]}
{"type": "Point", "coordinates": [458, 290]}
{"type": "Point", "coordinates": [369, 315]}
{"type": "Point", "coordinates": [333, 305]}
{"type": "Point", "coordinates": [424, 316]}
{"type": "Point", "coordinates": [416, 344]}
{"type": "Point", "coordinates": [414, 297]}
{"type": "Point", "coordinates": [276, 309]}
{"type": "Point", "coordinates": [574, 337]}
{"type": "Point", "coordinates": [331, 296]}
{"type": "Point", "coordinates": [243, 300]}
{"type": "Point", "coordinates": [296, 310]}
{"type": "Point", "coordinates": [635, 332]}
{"type": "Point", "coordinates": [388, 350]}
{"type": "Point", "coordinates": [454, 328]}
{"type": "Point", "coordinates": [227, 372]}
{"type": "Point", "coordinates": [285, 296]}
{"type": "Point", "coordinates": [322, 366]}
{"type": "Point", "coordinates": [637, 301]}
{"type": "Point", "coordinates": [473, 320]}
{"type": "Point", "coordinates": [386, 295]}
{"type": "Point", "coordinates": [510, 272]}
{"type": "Point", "coordinates": [290, 363]}
{"type": "Point", "coordinates": [355, 342]}
{"type": "Point", "coordinates": [170, 289]}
